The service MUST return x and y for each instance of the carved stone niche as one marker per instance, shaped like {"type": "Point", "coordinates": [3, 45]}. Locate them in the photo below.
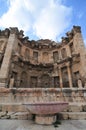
{"type": "Point", "coordinates": [71, 48]}
{"type": "Point", "coordinates": [45, 81]}
{"type": "Point", "coordinates": [55, 56]}
{"type": "Point", "coordinates": [56, 82]}
{"type": "Point", "coordinates": [35, 56]}
{"type": "Point", "coordinates": [45, 57]}
{"type": "Point", "coordinates": [24, 80]}
{"type": "Point", "coordinates": [34, 81]}
{"type": "Point", "coordinates": [64, 53]}
{"type": "Point", "coordinates": [65, 78]}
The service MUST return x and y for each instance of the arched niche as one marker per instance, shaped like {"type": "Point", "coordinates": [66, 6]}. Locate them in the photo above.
{"type": "Point", "coordinates": [76, 77]}
{"type": "Point", "coordinates": [27, 53]}
{"type": "Point", "coordinates": [64, 53]}
{"type": "Point", "coordinates": [55, 56]}
{"type": "Point", "coordinates": [35, 56]}
{"type": "Point", "coordinates": [24, 80]}
{"type": "Point", "coordinates": [56, 82]}
{"type": "Point", "coordinates": [45, 57]}
{"type": "Point", "coordinates": [71, 48]}
{"type": "Point", "coordinates": [33, 81]}
{"type": "Point", "coordinates": [65, 78]}
{"type": "Point", "coordinates": [45, 81]}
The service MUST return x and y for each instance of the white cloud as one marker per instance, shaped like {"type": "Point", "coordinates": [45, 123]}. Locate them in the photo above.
{"type": "Point", "coordinates": [80, 15]}
{"type": "Point", "coordinates": [46, 18]}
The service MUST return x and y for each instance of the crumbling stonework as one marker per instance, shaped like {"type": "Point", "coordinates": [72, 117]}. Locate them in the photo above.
{"type": "Point", "coordinates": [43, 64]}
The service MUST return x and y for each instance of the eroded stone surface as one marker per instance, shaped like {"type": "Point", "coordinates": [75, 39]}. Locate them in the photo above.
{"type": "Point", "coordinates": [41, 71]}
{"type": "Point", "coordinates": [43, 63]}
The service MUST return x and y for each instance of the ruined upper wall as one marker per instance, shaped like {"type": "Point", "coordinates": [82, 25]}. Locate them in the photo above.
{"type": "Point", "coordinates": [21, 54]}
{"type": "Point", "coordinates": [42, 43]}
{"type": "Point", "coordinates": [43, 50]}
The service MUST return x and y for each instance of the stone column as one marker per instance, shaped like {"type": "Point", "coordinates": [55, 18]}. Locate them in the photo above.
{"type": "Point", "coordinates": [60, 76]}
{"type": "Point", "coordinates": [69, 76]}
{"type": "Point", "coordinates": [79, 47]}
{"type": "Point", "coordinates": [4, 71]}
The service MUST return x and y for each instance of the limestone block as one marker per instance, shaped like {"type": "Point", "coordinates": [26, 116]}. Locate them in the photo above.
{"type": "Point", "coordinates": [77, 116]}
{"type": "Point", "coordinates": [75, 108]}
{"type": "Point", "coordinates": [66, 109]}
{"type": "Point", "coordinates": [72, 116]}
{"type": "Point", "coordinates": [13, 108]}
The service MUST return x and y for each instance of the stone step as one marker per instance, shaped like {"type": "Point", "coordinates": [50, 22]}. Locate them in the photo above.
{"type": "Point", "coordinates": [15, 115]}
{"type": "Point", "coordinates": [26, 115]}
{"type": "Point", "coordinates": [72, 115]}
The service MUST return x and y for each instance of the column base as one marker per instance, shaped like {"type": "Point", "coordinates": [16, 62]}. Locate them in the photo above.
{"type": "Point", "coordinates": [45, 119]}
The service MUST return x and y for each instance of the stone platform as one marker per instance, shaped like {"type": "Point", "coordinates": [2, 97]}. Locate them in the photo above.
{"type": "Point", "coordinates": [29, 125]}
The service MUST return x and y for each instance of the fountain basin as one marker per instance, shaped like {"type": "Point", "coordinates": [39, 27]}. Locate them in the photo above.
{"type": "Point", "coordinates": [45, 113]}
{"type": "Point", "coordinates": [46, 108]}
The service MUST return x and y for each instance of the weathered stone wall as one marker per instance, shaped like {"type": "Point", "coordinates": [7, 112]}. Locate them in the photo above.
{"type": "Point", "coordinates": [41, 71]}
{"type": "Point", "coordinates": [30, 95]}
{"type": "Point", "coordinates": [30, 58]}
{"type": "Point", "coordinates": [12, 100]}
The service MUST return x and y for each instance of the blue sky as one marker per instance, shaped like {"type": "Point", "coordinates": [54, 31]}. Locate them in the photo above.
{"type": "Point", "coordinates": [43, 18]}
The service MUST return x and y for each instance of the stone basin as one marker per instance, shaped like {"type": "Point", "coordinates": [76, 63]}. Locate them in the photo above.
{"type": "Point", "coordinates": [46, 108]}
{"type": "Point", "coordinates": [45, 113]}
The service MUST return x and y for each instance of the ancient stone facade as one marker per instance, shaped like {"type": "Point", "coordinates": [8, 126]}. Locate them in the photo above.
{"type": "Point", "coordinates": [42, 63]}
{"type": "Point", "coordinates": [42, 71]}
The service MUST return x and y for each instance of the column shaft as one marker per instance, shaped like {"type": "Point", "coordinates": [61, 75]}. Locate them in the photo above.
{"type": "Point", "coordinates": [4, 71]}
{"type": "Point", "coordinates": [69, 76]}
{"type": "Point", "coordinates": [60, 75]}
